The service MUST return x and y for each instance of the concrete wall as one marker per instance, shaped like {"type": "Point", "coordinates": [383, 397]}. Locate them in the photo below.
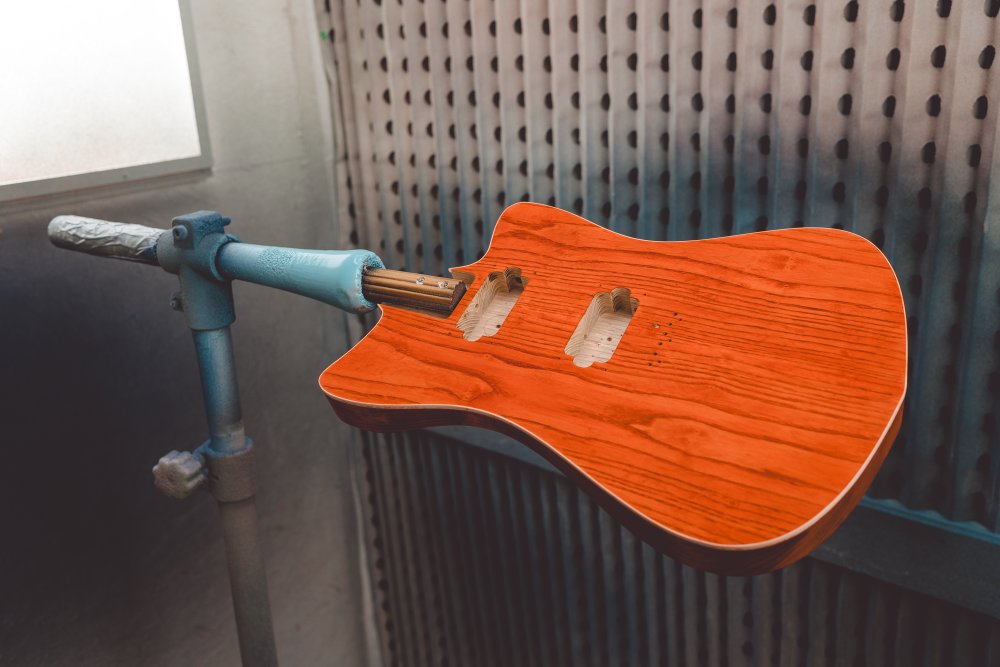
{"type": "Point", "coordinates": [99, 380]}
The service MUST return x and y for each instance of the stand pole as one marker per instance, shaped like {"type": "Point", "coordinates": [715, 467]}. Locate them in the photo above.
{"type": "Point", "coordinates": [207, 260]}
{"type": "Point", "coordinates": [232, 480]}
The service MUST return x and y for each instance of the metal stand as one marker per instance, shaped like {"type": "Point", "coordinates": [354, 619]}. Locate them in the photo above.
{"type": "Point", "coordinates": [206, 260]}
{"type": "Point", "coordinates": [228, 455]}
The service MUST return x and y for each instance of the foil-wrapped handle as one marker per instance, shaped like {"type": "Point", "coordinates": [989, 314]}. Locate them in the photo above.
{"type": "Point", "coordinates": [135, 243]}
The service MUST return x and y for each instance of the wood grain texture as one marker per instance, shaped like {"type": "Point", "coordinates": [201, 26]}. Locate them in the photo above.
{"type": "Point", "coordinates": [742, 415]}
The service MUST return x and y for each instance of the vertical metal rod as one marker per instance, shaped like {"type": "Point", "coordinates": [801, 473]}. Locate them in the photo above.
{"type": "Point", "coordinates": [247, 576]}
{"type": "Point", "coordinates": [249, 583]}
{"type": "Point", "coordinates": [219, 389]}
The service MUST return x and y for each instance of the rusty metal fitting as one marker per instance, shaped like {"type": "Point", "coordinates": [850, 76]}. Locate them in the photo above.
{"type": "Point", "coordinates": [231, 477]}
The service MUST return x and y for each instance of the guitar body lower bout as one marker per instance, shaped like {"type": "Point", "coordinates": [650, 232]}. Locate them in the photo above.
{"type": "Point", "coordinates": [728, 400]}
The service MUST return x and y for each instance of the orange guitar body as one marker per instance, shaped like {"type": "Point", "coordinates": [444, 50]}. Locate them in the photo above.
{"type": "Point", "coordinates": [752, 384]}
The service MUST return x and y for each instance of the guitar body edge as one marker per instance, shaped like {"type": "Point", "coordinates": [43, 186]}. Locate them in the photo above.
{"type": "Point", "coordinates": [742, 560]}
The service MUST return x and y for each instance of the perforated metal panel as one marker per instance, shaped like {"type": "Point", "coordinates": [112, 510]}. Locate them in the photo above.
{"type": "Point", "coordinates": [478, 559]}
{"type": "Point", "coordinates": [696, 118]}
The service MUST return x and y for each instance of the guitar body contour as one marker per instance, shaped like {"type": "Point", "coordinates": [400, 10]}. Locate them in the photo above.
{"type": "Point", "coordinates": [730, 405]}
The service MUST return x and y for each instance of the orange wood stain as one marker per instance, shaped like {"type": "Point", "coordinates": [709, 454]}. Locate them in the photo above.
{"type": "Point", "coordinates": [746, 408]}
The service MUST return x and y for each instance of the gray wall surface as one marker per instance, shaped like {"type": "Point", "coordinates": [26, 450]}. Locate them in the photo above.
{"type": "Point", "coordinates": [99, 380]}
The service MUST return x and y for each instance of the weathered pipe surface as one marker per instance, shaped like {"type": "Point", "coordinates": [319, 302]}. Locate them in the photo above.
{"type": "Point", "coordinates": [330, 276]}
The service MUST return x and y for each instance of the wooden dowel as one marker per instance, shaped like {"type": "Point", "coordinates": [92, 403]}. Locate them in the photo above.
{"type": "Point", "coordinates": [416, 290]}
{"type": "Point", "coordinates": [375, 281]}
{"type": "Point", "coordinates": [381, 294]}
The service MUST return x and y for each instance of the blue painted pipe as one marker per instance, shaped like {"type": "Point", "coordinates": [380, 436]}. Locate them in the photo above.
{"type": "Point", "coordinates": [198, 249]}
{"type": "Point", "coordinates": [330, 276]}
{"type": "Point", "coordinates": [219, 390]}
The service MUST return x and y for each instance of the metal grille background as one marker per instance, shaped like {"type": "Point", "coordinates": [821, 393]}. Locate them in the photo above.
{"type": "Point", "coordinates": [479, 559]}
{"type": "Point", "coordinates": [678, 120]}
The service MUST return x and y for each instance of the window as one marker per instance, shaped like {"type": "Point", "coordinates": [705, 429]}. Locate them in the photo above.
{"type": "Point", "coordinates": [96, 92]}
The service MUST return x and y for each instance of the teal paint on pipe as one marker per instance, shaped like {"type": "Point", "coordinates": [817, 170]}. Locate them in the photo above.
{"type": "Point", "coordinates": [330, 276]}
{"type": "Point", "coordinates": [207, 259]}
{"type": "Point", "coordinates": [220, 390]}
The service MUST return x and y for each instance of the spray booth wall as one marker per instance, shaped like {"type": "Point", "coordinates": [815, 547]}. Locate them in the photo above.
{"type": "Point", "coordinates": [681, 120]}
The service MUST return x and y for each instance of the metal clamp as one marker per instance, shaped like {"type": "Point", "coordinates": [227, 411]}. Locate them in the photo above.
{"type": "Point", "coordinates": [230, 477]}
